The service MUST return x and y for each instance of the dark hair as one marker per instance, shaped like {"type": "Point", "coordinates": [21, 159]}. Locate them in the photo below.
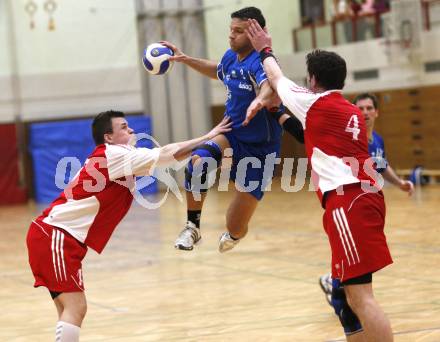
{"type": "Point", "coordinates": [250, 13]}
{"type": "Point", "coordinates": [364, 96]}
{"type": "Point", "coordinates": [102, 124]}
{"type": "Point", "coordinates": [328, 68]}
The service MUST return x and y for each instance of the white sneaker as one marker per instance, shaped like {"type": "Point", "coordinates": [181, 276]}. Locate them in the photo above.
{"type": "Point", "coordinates": [188, 237]}
{"type": "Point", "coordinates": [325, 281]}
{"type": "Point", "coordinates": [226, 243]}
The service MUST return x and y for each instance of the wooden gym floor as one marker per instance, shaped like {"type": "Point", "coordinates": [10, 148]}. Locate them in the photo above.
{"type": "Point", "coordinates": [141, 289]}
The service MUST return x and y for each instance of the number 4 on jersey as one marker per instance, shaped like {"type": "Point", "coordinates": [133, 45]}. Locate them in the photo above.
{"type": "Point", "coordinates": [353, 126]}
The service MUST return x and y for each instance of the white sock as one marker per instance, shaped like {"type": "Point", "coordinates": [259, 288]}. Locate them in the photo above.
{"type": "Point", "coordinates": [66, 332]}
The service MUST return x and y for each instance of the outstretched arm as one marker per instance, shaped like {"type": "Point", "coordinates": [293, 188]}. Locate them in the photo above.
{"type": "Point", "coordinates": [123, 161]}
{"type": "Point", "coordinates": [181, 150]}
{"type": "Point", "coordinates": [203, 66]}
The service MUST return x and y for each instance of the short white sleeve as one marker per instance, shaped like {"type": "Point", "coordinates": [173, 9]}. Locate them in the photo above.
{"type": "Point", "coordinates": [125, 160]}
{"type": "Point", "coordinates": [296, 98]}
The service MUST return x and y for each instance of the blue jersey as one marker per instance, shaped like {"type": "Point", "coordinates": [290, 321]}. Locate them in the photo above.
{"type": "Point", "coordinates": [242, 80]}
{"type": "Point", "coordinates": [376, 149]}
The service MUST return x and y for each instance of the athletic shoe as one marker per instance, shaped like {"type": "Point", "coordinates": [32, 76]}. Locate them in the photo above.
{"type": "Point", "coordinates": [325, 281]}
{"type": "Point", "coordinates": [188, 237]}
{"type": "Point", "coordinates": [226, 243]}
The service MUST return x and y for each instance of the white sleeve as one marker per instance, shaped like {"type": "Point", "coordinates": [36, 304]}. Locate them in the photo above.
{"type": "Point", "coordinates": [125, 161]}
{"type": "Point", "coordinates": [296, 98]}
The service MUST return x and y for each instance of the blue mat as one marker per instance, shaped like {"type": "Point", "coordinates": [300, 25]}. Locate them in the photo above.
{"type": "Point", "coordinates": [49, 142]}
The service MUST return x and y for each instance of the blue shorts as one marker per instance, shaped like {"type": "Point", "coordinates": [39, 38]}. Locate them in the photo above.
{"type": "Point", "coordinates": [253, 164]}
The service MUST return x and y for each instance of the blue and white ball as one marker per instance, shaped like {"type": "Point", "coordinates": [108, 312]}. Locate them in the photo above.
{"type": "Point", "coordinates": [155, 59]}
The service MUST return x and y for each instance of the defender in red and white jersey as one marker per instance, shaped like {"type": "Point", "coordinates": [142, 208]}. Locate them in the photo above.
{"type": "Point", "coordinates": [89, 209]}
{"type": "Point", "coordinates": [344, 176]}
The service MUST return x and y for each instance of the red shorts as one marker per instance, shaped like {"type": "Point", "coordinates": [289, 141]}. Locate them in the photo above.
{"type": "Point", "coordinates": [55, 258]}
{"type": "Point", "coordinates": [354, 223]}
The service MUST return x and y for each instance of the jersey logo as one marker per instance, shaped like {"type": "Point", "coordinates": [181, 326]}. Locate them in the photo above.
{"type": "Point", "coordinates": [245, 86]}
{"type": "Point", "coordinates": [242, 74]}
{"type": "Point", "coordinates": [233, 74]}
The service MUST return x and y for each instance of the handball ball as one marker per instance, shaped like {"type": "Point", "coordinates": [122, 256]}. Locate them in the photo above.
{"type": "Point", "coordinates": [155, 59]}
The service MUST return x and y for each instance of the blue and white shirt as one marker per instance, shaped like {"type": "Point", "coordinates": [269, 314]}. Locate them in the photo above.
{"type": "Point", "coordinates": [242, 80]}
{"type": "Point", "coordinates": [376, 149]}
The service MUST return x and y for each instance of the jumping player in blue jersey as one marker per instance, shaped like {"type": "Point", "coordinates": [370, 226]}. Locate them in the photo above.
{"type": "Point", "coordinates": [332, 288]}
{"type": "Point", "coordinates": [248, 92]}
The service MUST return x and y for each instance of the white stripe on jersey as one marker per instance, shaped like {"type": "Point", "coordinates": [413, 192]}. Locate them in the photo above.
{"type": "Point", "coordinates": [341, 235]}
{"type": "Point", "coordinates": [53, 254]}
{"type": "Point", "coordinates": [62, 255]}
{"type": "Point", "coordinates": [57, 250]}
{"type": "Point", "coordinates": [347, 227]}
{"type": "Point", "coordinates": [57, 247]}
{"type": "Point", "coordinates": [345, 235]}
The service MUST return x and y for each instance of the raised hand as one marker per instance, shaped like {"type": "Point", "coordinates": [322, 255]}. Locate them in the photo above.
{"type": "Point", "coordinates": [259, 37]}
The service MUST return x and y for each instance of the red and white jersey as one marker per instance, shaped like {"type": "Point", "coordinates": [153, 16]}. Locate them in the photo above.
{"type": "Point", "coordinates": [334, 132]}
{"type": "Point", "coordinates": [99, 196]}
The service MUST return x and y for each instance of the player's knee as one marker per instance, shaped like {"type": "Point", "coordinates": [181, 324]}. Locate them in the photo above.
{"type": "Point", "coordinates": [75, 313]}
{"type": "Point", "coordinates": [80, 309]}
{"type": "Point", "coordinates": [354, 298]}
{"type": "Point", "coordinates": [349, 320]}
{"type": "Point", "coordinates": [205, 159]}
{"type": "Point", "coordinates": [195, 160]}
{"type": "Point", "coordinates": [361, 303]}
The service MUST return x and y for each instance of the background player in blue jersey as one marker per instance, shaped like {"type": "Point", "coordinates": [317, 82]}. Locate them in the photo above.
{"type": "Point", "coordinates": [367, 103]}
{"type": "Point", "coordinates": [332, 288]}
{"type": "Point", "coordinates": [248, 92]}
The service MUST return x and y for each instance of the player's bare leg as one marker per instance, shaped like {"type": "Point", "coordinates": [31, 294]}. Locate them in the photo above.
{"type": "Point", "coordinates": [59, 306]}
{"type": "Point", "coordinates": [239, 214]}
{"type": "Point", "coordinates": [358, 337]}
{"type": "Point", "coordinates": [190, 235]}
{"type": "Point", "coordinates": [73, 307]}
{"type": "Point", "coordinates": [376, 325]}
